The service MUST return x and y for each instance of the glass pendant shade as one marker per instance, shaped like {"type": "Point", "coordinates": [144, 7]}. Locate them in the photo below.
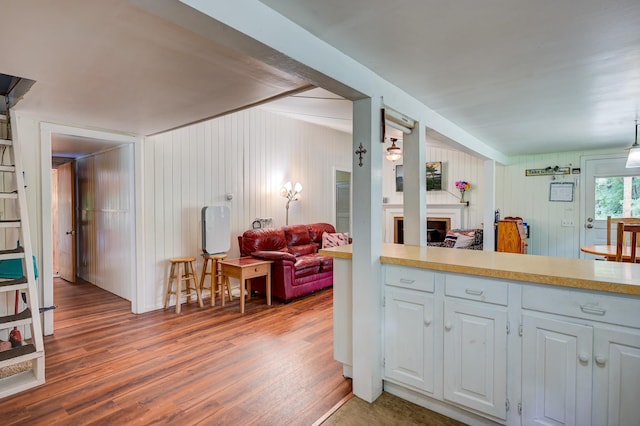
{"type": "Point", "coordinates": [394, 153]}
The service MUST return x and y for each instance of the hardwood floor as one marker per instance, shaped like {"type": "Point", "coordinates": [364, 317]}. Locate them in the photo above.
{"type": "Point", "coordinates": [104, 365]}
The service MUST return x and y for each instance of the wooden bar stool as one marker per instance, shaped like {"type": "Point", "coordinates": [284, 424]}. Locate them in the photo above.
{"type": "Point", "coordinates": [215, 282]}
{"type": "Point", "coordinates": [182, 270]}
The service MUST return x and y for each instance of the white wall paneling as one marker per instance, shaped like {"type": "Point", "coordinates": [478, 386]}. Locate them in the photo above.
{"type": "Point", "coordinates": [248, 154]}
{"type": "Point", "coordinates": [528, 197]}
{"type": "Point", "coordinates": [458, 166]}
{"type": "Point", "coordinates": [106, 219]}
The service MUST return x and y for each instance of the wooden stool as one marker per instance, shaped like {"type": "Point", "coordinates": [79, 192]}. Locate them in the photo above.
{"type": "Point", "coordinates": [215, 283]}
{"type": "Point", "coordinates": [182, 269]}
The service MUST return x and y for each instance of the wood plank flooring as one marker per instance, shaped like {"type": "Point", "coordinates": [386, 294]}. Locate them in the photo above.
{"type": "Point", "coordinates": [104, 365]}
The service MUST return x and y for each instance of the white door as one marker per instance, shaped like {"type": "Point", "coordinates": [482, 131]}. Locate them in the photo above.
{"type": "Point", "coordinates": [66, 222]}
{"type": "Point", "coordinates": [595, 212]}
{"type": "Point", "coordinates": [475, 356]}
{"type": "Point", "coordinates": [556, 372]}
{"type": "Point", "coordinates": [616, 377]}
{"type": "Point", "coordinates": [409, 346]}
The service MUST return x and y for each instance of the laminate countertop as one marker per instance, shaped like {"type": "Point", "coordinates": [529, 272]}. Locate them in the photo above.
{"type": "Point", "coordinates": [612, 277]}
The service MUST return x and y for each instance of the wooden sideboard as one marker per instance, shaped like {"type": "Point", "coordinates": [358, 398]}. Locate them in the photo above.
{"type": "Point", "coordinates": [512, 237]}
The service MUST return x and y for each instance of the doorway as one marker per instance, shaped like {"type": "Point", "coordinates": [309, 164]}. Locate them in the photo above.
{"type": "Point", "coordinates": [343, 201]}
{"type": "Point", "coordinates": [87, 147]}
{"type": "Point", "coordinates": [606, 192]}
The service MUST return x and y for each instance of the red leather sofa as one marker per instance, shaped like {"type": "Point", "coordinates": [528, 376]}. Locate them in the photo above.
{"type": "Point", "coordinates": [297, 267]}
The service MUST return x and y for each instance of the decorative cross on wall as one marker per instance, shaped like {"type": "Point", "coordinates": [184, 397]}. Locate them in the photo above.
{"type": "Point", "coordinates": [361, 151]}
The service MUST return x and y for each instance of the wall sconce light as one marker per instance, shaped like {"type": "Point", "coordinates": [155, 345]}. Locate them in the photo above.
{"type": "Point", "coordinates": [394, 153]}
{"type": "Point", "coordinates": [291, 193]}
{"type": "Point", "coordinates": [633, 160]}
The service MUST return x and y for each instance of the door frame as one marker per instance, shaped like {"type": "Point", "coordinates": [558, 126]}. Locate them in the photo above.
{"type": "Point", "coordinates": [335, 196]}
{"type": "Point", "coordinates": [46, 132]}
{"type": "Point", "coordinates": [583, 192]}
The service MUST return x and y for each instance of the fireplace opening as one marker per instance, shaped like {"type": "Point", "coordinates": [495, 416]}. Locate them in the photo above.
{"type": "Point", "coordinates": [437, 228]}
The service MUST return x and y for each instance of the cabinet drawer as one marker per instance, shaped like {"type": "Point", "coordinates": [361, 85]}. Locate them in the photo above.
{"type": "Point", "coordinates": [582, 304]}
{"type": "Point", "coordinates": [406, 277]}
{"type": "Point", "coordinates": [480, 289]}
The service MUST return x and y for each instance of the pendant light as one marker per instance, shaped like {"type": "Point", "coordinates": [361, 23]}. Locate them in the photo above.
{"type": "Point", "coordinates": [634, 152]}
{"type": "Point", "coordinates": [394, 153]}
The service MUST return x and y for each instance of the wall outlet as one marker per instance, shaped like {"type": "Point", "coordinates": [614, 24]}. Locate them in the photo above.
{"type": "Point", "coordinates": [567, 222]}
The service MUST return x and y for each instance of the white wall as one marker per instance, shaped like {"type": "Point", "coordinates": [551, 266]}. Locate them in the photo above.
{"type": "Point", "coordinates": [248, 154]}
{"type": "Point", "coordinates": [528, 197]}
{"type": "Point", "coordinates": [106, 220]}
{"type": "Point", "coordinates": [458, 166]}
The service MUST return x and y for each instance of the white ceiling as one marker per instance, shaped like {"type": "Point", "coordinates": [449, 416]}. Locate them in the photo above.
{"type": "Point", "coordinates": [111, 65]}
{"type": "Point", "coordinates": [521, 76]}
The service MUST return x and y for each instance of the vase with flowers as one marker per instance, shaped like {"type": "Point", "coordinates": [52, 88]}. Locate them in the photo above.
{"type": "Point", "coordinates": [463, 187]}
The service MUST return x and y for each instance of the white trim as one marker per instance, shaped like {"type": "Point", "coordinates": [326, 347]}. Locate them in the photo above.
{"type": "Point", "coordinates": [46, 130]}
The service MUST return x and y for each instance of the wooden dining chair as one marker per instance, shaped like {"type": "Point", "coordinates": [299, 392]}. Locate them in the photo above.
{"type": "Point", "coordinates": [612, 222]}
{"type": "Point", "coordinates": [634, 230]}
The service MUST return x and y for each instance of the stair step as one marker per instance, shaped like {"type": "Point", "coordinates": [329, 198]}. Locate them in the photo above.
{"type": "Point", "coordinates": [9, 195]}
{"type": "Point", "coordinates": [16, 253]}
{"type": "Point", "coordinates": [11, 169]}
{"type": "Point", "coordinates": [19, 382]}
{"type": "Point", "coordinates": [16, 320]}
{"type": "Point", "coordinates": [12, 285]}
{"type": "Point", "coordinates": [11, 223]}
{"type": "Point", "coordinates": [16, 354]}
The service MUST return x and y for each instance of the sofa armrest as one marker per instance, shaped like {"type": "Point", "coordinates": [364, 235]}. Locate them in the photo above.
{"type": "Point", "coordinates": [274, 255]}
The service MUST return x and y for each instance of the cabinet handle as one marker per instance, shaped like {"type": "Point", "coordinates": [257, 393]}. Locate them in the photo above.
{"type": "Point", "coordinates": [474, 292]}
{"type": "Point", "coordinates": [601, 360]}
{"type": "Point", "coordinates": [448, 326]}
{"type": "Point", "coordinates": [584, 358]}
{"type": "Point", "coordinates": [427, 322]}
{"type": "Point", "coordinates": [406, 281]}
{"type": "Point", "coordinates": [593, 310]}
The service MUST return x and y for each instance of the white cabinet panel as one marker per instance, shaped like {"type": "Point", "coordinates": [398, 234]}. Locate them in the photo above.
{"type": "Point", "coordinates": [475, 356]}
{"type": "Point", "coordinates": [616, 385]}
{"type": "Point", "coordinates": [556, 372]}
{"type": "Point", "coordinates": [409, 338]}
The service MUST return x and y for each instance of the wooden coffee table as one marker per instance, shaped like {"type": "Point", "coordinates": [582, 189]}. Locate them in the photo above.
{"type": "Point", "coordinates": [245, 268]}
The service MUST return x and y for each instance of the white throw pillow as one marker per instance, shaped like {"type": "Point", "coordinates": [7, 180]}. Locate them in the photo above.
{"type": "Point", "coordinates": [463, 241]}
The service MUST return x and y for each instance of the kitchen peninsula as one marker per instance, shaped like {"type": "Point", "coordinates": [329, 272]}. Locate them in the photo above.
{"type": "Point", "coordinates": [488, 337]}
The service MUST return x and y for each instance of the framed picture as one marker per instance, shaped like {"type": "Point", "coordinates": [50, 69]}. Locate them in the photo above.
{"type": "Point", "coordinates": [434, 176]}
{"type": "Point", "coordinates": [399, 178]}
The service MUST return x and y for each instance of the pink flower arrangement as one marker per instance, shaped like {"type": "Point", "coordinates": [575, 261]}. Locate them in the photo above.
{"type": "Point", "coordinates": [463, 186]}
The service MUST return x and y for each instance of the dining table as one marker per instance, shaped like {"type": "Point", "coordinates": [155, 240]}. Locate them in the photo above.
{"type": "Point", "coordinates": [607, 251]}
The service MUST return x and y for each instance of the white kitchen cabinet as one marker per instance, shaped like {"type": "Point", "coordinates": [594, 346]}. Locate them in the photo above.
{"type": "Point", "coordinates": [556, 371]}
{"type": "Point", "coordinates": [616, 376]}
{"type": "Point", "coordinates": [475, 356]}
{"type": "Point", "coordinates": [409, 338]}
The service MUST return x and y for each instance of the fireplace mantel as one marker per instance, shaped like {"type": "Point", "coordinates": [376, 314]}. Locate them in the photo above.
{"type": "Point", "coordinates": [454, 212]}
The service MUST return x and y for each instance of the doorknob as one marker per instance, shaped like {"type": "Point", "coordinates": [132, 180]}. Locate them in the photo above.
{"type": "Point", "coordinates": [70, 232]}
{"type": "Point", "coordinates": [589, 219]}
{"type": "Point", "coordinates": [589, 225]}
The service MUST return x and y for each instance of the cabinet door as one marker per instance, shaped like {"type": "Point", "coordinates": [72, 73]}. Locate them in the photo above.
{"type": "Point", "coordinates": [556, 372]}
{"type": "Point", "coordinates": [616, 390]}
{"type": "Point", "coordinates": [475, 356]}
{"type": "Point", "coordinates": [409, 337]}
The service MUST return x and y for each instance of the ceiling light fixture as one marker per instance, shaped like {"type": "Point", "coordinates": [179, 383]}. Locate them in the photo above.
{"type": "Point", "coordinates": [394, 153]}
{"type": "Point", "coordinates": [634, 152]}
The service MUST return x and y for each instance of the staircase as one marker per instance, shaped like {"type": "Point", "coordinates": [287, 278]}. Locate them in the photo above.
{"type": "Point", "coordinates": [21, 364]}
